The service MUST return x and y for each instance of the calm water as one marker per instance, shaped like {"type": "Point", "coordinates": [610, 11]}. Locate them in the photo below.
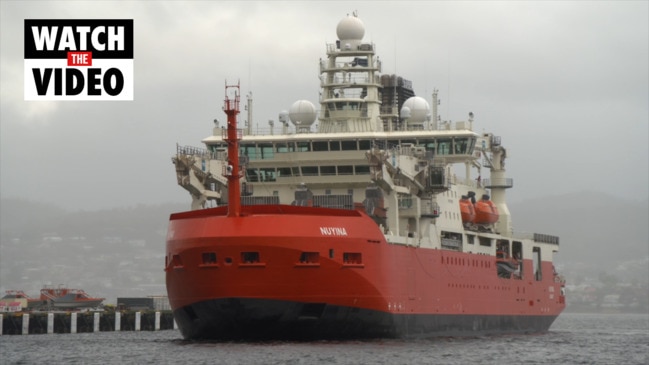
{"type": "Point", "coordinates": [573, 339]}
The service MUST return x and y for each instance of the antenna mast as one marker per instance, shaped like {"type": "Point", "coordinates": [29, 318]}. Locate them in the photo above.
{"type": "Point", "coordinates": [232, 137]}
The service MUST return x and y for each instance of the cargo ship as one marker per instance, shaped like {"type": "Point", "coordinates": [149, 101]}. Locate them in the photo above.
{"type": "Point", "coordinates": [374, 223]}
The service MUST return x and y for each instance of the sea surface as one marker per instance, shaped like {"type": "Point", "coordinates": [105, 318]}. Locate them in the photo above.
{"type": "Point", "coordinates": [573, 339]}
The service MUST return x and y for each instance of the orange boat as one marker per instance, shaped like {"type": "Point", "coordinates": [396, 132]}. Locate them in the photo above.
{"type": "Point", "coordinates": [467, 210]}
{"type": "Point", "coordinates": [485, 211]}
{"type": "Point", "coordinates": [351, 229]}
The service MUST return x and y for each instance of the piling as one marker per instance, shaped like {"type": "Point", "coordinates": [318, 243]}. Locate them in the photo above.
{"type": "Point", "coordinates": [80, 322]}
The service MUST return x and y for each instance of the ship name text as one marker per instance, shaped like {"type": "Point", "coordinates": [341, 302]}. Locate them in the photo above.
{"type": "Point", "coordinates": [333, 231]}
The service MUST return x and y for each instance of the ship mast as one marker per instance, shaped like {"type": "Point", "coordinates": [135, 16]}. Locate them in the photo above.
{"type": "Point", "coordinates": [232, 137]}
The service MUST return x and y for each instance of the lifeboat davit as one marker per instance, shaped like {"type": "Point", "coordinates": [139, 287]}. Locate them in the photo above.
{"type": "Point", "coordinates": [485, 211]}
{"type": "Point", "coordinates": [467, 210]}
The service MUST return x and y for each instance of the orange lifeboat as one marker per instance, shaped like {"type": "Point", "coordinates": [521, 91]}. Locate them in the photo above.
{"type": "Point", "coordinates": [485, 211]}
{"type": "Point", "coordinates": [467, 210]}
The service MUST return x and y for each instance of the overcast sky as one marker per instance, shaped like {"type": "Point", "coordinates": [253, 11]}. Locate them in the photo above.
{"type": "Point", "coordinates": [565, 84]}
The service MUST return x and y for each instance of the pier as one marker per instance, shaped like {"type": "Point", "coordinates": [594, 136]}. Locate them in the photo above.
{"type": "Point", "coordinates": [25, 323]}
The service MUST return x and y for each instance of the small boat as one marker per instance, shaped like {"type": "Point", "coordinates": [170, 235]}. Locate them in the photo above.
{"type": "Point", "coordinates": [66, 298]}
{"type": "Point", "coordinates": [467, 210]}
{"type": "Point", "coordinates": [485, 211]}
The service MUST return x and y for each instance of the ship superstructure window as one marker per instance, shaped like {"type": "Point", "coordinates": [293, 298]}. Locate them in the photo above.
{"type": "Point", "coordinates": [252, 175]}
{"type": "Point", "coordinates": [364, 145]}
{"type": "Point", "coordinates": [517, 255]}
{"type": "Point", "coordinates": [249, 150]}
{"type": "Point", "coordinates": [461, 145]}
{"type": "Point", "coordinates": [470, 239]}
{"type": "Point", "coordinates": [266, 150]}
{"type": "Point", "coordinates": [309, 170]}
{"type": "Point", "coordinates": [320, 146]}
{"type": "Point", "coordinates": [485, 241]}
{"type": "Point", "coordinates": [345, 170]}
{"type": "Point", "coordinates": [250, 257]}
{"type": "Point", "coordinates": [444, 147]}
{"type": "Point", "coordinates": [451, 240]}
{"type": "Point", "coordinates": [349, 146]}
{"type": "Point", "coordinates": [267, 175]}
{"type": "Point", "coordinates": [209, 258]}
{"type": "Point", "coordinates": [536, 262]}
{"type": "Point", "coordinates": [362, 170]}
{"type": "Point", "coordinates": [285, 147]}
{"type": "Point", "coordinates": [334, 145]}
{"type": "Point", "coordinates": [284, 171]}
{"type": "Point", "coordinates": [303, 146]}
{"type": "Point", "coordinates": [327, 170]}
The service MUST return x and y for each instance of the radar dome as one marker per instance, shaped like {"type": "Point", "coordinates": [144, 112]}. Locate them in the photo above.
{"type": "Point", "coordinates": [350, 28]}
{"type": "Point", "coordinates": [416, 110]}
{"type": "Point", "coordinates": [302, 113]}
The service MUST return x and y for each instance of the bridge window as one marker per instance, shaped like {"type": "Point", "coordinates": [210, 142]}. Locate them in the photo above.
{"type": "Point", "coordinates": [362, 170]}
{"type": "Point", "coordinates": [266, 151]}
{"type": "Point", "coordinates": [285, 147]}
{"type": "Point", "coordinates": [345, 170]}
{"type": "Point", "coordinates": [304, 146]}
{"type": "Point", "coordinates": [309, 170]}
{"type": "Point", "coordinates": [267, 174]}
{"type": "Point", "coordinates": [444, 147]}
{"type": "Point", "coordinates": [364, 145]}
{"type": "Point", "coordinates": [327, 170]}
{"type": "Point", "coordinates": [349, 146]}
{"type": "Point", "coordinates": [471, 145]}
{"type": "Point", "coordinates": [461, 145]}
{"type": "Point", "coordinates": [252, 175]}
{"type": "Point", "coordinates": [250, 151]}
{"type": "Point", "coordinates": [320, 146]}
{"type": "Point", "coordinates": [284, 171]}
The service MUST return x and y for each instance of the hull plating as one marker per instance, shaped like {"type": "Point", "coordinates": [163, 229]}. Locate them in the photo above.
{"type": "Point", "coordinates": [259, 319]}
{"type": "Point", "coordinates": [307, 273]}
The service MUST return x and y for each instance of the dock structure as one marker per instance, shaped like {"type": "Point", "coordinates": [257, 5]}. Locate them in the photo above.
{"type": "Point", "coordinates": [81, 322]}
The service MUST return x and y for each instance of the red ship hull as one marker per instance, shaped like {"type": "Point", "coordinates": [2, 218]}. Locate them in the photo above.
{"type": "Point", "coordinates": [312, 273]}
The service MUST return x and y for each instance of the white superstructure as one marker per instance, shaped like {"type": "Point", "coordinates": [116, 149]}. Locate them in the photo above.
{"type": "Point", "coordinates": [376, 146]}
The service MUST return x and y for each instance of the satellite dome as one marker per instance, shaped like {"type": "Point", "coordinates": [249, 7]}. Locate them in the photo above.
{"type": "Point", "coordinates": [302, 113]}
{"type": "Point", "coordinates": [417, 108]}
{"type": "Point", "coordinates": [350, 28]}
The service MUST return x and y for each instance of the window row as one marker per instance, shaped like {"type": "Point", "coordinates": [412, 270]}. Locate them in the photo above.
{"type": "Point", "coordinates": [270, 174]}
{"type": "Point", "coordinates": [253, 257]}
{"type": "Point", "coordinates": [267, 150]}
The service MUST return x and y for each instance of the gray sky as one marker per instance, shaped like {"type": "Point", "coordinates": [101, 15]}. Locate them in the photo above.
{"type": "Point", "coordinates": [565, 84]}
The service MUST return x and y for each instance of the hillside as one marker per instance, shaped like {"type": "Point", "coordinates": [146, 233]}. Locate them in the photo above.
{"type": "Point", "coordinates": [120, 252]}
